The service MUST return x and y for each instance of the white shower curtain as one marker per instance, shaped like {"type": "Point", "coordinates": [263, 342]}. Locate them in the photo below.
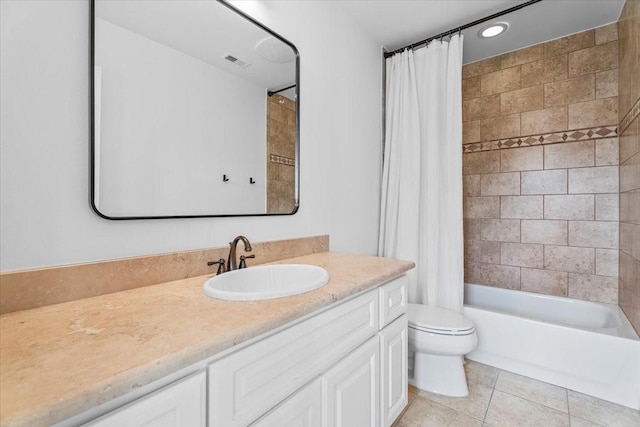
{"type": "Point", "coordinates": [421, 210]}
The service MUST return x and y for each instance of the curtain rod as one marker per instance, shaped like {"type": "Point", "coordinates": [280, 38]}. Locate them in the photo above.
{"type": "Point", "coordinates": [273, 92]}
{"type": "Point", "coordinates": [463, 27]}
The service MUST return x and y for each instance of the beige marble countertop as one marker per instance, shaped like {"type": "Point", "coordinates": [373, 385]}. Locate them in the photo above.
{"type": "Point", "coordinates": [60, 360]}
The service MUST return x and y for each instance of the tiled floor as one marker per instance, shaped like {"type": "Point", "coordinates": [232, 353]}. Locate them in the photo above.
{"type": "Point", "coordinates": [499, 398]}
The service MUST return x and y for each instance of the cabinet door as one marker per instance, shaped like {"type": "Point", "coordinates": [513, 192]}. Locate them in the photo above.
{"type": "Point", "coordinates": [303, 409]}
{"type": "Point", "coordinates": [393, 364]}
{"type": "Point", "coordinates": [393, 300]}
{"type": "Point", "coordinates": [182, 404]}
{"type": "Point", "coordinates": [245, 385]}
{"type": "Point", "coordinates": [350, 389]}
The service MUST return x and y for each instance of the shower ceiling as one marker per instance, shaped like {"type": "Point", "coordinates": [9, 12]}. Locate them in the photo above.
{"type": "Point", "coordinates": [396, 23]}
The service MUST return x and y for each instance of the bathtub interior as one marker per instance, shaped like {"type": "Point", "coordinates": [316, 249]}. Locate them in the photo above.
{"type": "Point", "coordinates": [568, 312]}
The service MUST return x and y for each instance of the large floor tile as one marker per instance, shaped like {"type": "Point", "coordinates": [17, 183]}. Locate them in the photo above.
{"type": "Point", "coordinates": [478, 373]}
{"type": "Point", "coordinates": [412, 394]}
{"type": "Point", "coordinates": [515, 401]}
{"type": "Point", "coordinates": [536, 391]}
{"type": "Point", "coordinates": [422, 413]}
{"type": "Point", "coordinates": [475, 405]}
{"type": "Point", "coordinates": [602, 412]}
{"type": "Point", "coordinates": [579, 422]}
{"type": "Point", "coordinates": [508, 410]}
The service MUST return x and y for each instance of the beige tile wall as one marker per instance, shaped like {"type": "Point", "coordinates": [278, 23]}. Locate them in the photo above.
{"type": "Point", "coordinates": [629, 107]}
{"type": "Point", "coordinates": [281, 119]}
{"type": "Point", "coordinates": [569, 83]}
{"type": "Point", "coordinates": [544, 218]}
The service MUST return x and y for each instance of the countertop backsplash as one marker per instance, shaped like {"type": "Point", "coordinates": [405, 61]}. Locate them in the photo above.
{"type": "Point", "coordinates": [26, 289]}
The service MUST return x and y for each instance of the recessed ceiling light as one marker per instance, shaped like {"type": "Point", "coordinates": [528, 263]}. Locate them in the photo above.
{"type": "Point", "coordinates": [493, 30]}
{"type": "Point", "coordinates": [273, 50]}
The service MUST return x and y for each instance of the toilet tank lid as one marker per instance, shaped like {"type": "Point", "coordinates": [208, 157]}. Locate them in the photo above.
{"type": "Point", "coordinates": [437, 318]}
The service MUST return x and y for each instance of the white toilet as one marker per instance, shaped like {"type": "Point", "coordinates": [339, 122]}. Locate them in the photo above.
{"type": "Point", "coordinates": [438, 339]}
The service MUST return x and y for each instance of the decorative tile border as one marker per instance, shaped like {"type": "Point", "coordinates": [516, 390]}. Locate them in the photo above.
{"type": "Point", "coordinates": [282, 160]}
{"type": "Point", "coordinates": [630, 117]}
{"type": "Point", "coordinates": [543, 139]}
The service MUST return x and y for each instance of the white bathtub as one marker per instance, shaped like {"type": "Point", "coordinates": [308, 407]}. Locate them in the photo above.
{"type": "Point", "coordinates": [583, 346]}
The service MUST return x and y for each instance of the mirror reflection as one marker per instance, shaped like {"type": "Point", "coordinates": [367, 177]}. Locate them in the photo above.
{"type": "Point", "coordinates": [195, 112]}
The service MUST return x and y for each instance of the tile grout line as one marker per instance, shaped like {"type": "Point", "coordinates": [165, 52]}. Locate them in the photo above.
{"type": "Point", "coordinates": [566, 393]}
{"type": "Point", "coordinates": [493, 389]}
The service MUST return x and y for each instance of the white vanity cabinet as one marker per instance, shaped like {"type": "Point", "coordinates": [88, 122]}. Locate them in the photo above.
{"type": "Point", "coordinates": [345, 366]}
{"type": "Point", "coordinates": [358, 349]}
{"type": "Point", "coordinates": [249, 382]}
{"type": "Point", "coordinates": [346, 395]}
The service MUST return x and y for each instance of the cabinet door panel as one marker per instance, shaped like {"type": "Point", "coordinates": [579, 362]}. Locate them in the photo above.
{"type": "Point", "coordinates": [393, 364]}
{"type": "Point", "coordinates": [182, 404]}
{"type": "Point", "coordinates": [351, 393]}
{"type": "Point", "coordinates": [246, 384]}
{"type": "Point", "coordinates": [393, 300]}
{"type": "Point", "coordinates": [303, 409]}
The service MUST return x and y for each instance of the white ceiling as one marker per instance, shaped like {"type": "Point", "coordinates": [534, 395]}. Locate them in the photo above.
{"type": "Point", "coordinates": [195, 27]}
{"type": "Point", "coordinates": [397, 23]}
{"type": "Point", "coordinates": [205, 30]}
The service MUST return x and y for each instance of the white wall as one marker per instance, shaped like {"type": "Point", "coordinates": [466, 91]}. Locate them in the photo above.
{"type": "Point", "coordinates": [168, 136]}
{"type": "Point", "coordinates": [45, 217]}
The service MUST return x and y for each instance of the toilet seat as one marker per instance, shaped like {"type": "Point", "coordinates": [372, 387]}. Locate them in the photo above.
{"type": "Point", "coordinates": [437, 320]}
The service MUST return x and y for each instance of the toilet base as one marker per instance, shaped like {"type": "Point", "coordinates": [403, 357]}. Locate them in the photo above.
{"type": "Point", "coordinates": [439, 374]}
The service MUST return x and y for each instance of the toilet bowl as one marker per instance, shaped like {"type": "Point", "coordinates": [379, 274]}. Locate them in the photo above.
{"type": "Point", "coordinates": [438, 339]}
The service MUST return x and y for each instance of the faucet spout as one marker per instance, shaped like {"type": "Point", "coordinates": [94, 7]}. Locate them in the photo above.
{"type": "Point", "coordinates": [232, 261]}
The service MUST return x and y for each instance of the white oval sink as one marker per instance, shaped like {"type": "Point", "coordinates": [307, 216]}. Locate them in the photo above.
{"type": "Point", "coordinates": [266, 282]}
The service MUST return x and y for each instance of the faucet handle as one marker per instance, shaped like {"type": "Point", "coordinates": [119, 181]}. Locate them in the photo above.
{"type": "Point", "coordinates": [243, 263]}
{"type": "Point", "coordinates": [220, 263]}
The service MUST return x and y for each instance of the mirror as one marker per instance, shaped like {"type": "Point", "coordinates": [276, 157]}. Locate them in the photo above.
{"type": "Point", "coordinates": [194, 112]}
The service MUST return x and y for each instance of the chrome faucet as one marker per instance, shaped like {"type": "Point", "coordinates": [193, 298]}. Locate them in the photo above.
{"type": "Point", "coordinates": [232, 260]}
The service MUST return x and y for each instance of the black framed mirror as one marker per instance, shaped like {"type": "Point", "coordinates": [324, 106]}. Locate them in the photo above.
{"type": "Point", "coordinates": [194, 112]}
